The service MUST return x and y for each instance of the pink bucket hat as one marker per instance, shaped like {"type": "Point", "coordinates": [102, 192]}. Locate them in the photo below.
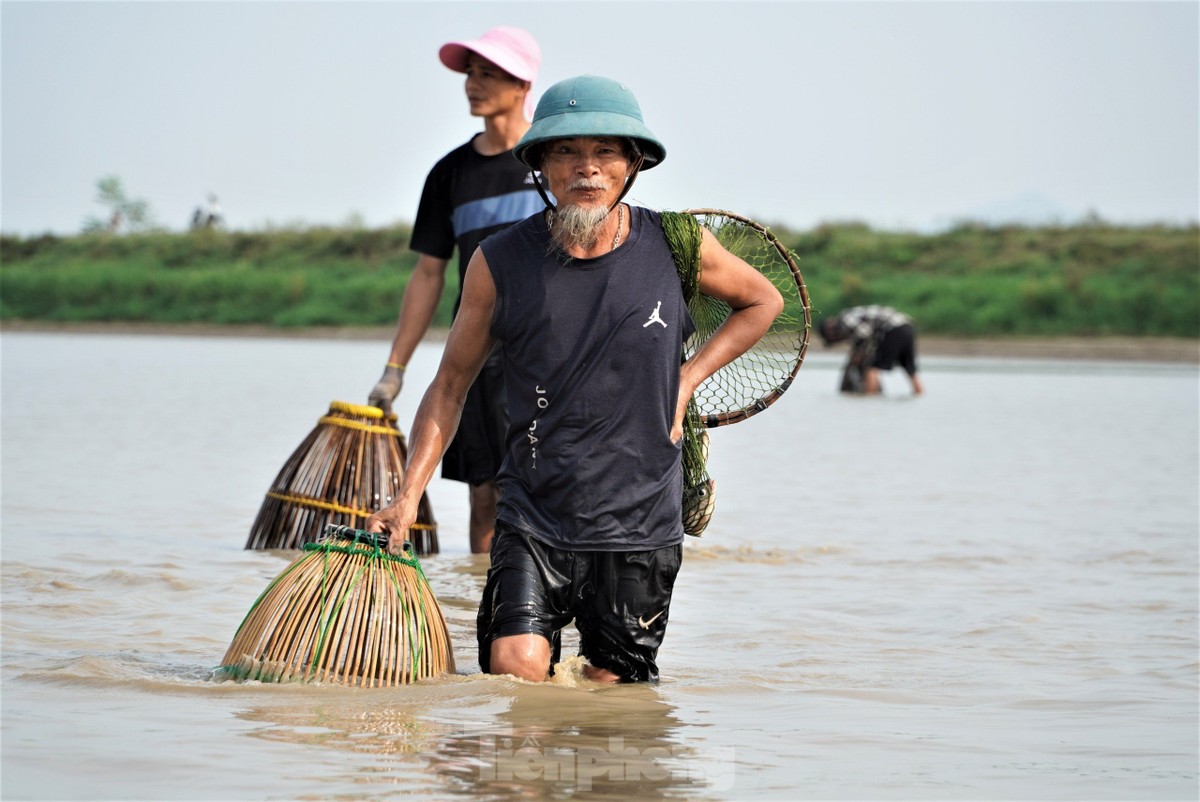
{"type": "Point", "coordinates": [511, 49]}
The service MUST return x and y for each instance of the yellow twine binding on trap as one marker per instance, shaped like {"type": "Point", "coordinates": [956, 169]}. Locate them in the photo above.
{"type": "Point", "coordinates": [329, 505]}
{"type": "Point", "coordinates": [362, 427]}
{"type": "Point", "coordinates": [361, 410]}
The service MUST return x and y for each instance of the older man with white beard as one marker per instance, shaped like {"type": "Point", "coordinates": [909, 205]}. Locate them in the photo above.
{"type": "Point", "coordinates": [589, 521]}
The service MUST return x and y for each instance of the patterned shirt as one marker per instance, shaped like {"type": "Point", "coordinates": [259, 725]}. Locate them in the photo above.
{"type": "Point", "coordinates": [870, 323]}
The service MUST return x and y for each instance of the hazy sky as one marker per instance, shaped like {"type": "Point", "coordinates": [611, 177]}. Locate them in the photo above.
{"type": "Point", "coordinates": [900, 114]}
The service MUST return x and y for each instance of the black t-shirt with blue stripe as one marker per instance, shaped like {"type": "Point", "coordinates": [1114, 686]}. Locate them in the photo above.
{"type": "Point", "coordinates": [468, 196]}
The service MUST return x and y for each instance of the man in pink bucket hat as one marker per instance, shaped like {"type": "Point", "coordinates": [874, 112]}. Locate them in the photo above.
{"type": "Point", "coordinates": [475, 190]}
{"type": "Point", "coordinates": [511, 49]}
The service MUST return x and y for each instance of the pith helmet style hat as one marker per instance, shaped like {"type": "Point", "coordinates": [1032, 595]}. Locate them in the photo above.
{"type": "Point", "coordinates": [511, 49]}
{"type": "Point", "coordinates": [589, 106]}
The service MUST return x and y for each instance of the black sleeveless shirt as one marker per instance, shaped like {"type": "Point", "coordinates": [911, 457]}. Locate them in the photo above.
{"type": "Point", "coordinates": [591, 351]}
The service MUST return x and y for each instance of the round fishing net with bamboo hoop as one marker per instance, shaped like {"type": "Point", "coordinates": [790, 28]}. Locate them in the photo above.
{"type": "Point", "coordinates": [345, 612]}
{"type": "Point", "coordinates": [757, 378]}
{"type": "Point", "coordinates": [347, 468]}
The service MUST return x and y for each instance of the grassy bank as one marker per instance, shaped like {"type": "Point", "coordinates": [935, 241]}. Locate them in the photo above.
{"type": "Point", "coordinates": [317, 277]}
{"type": "Point", "coordinates": [1091, 280]}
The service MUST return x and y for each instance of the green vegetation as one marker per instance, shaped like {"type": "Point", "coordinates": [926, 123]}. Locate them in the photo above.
{"type": "Point", "coordinates": [315, 277]}
{"type": "Point", "coordinates": [977, 281]}
{"type": "Point", "coordinates": [971, 281]}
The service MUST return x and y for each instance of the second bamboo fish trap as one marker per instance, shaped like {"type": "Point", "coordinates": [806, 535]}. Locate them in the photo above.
{"type": "Point", "coordinates": [348, 467]}
{"type": "Point", "coordinates": [346, 612]}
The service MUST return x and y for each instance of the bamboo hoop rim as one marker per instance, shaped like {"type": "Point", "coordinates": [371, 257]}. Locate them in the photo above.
{"type": "Point", "coordinates": [713, 420]}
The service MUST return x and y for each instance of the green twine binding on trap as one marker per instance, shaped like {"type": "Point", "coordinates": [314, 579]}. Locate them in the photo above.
{"type": "Point", "coordinates": [376, 552]}
{"type": "Point", "coordinates": [683, 235]}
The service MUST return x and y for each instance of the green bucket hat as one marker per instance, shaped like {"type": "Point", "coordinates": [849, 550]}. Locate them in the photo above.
{"type": "Point", "coordinates": [589, 106]}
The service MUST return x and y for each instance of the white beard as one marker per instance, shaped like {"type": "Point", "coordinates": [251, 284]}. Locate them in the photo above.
{"type": "Point", "coordinates": [578, 226]}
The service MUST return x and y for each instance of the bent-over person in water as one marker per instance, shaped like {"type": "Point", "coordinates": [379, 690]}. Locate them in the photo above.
{"type": "Point", "coordinates": [880, 338]}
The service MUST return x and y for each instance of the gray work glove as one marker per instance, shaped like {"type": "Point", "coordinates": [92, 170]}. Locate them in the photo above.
{"type": "Point", "coordinates": [387, 388]}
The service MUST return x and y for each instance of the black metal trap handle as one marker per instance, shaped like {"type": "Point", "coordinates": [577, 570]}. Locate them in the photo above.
{"type": "Point", "coordinates": [374, 539]}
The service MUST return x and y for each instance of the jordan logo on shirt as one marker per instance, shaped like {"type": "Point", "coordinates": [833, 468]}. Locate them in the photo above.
{"type": "Point", "coordinates": [654, 317]}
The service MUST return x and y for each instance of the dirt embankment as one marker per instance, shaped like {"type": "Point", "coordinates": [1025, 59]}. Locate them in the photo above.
{"type": "Point", "coordinates": [1142, 349]}
{"type": "Point", "coordinates": [1139, 349]}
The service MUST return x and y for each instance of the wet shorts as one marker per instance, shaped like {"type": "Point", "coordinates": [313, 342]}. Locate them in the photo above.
{"type": "Point", "coordinates": [898, 346]}
{"type": "Point", "coordinates": [620, 600]}
{"type": "Point", "coordinates": [475, 453]}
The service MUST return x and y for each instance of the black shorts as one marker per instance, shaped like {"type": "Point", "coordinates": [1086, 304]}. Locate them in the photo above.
{"type": "Point", "coordinates": [897, 346]}
{"type": "Point", "coordinates": [620, 600]}
{"type": "Point", "coordinates": [475, 453]}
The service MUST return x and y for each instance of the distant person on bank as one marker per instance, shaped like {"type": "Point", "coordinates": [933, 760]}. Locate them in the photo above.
{"type": "Point", "coordinates": [880, 337]}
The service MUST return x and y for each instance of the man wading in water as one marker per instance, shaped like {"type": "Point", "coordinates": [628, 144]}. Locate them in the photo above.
{"type": "Point", "coordinates": [585, 303]}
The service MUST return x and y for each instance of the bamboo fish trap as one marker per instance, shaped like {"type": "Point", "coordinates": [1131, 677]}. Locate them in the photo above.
{"type": "Point", "coordinates": [345, 612]}
{"type": "Point", "coordinates": [348, 467]}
